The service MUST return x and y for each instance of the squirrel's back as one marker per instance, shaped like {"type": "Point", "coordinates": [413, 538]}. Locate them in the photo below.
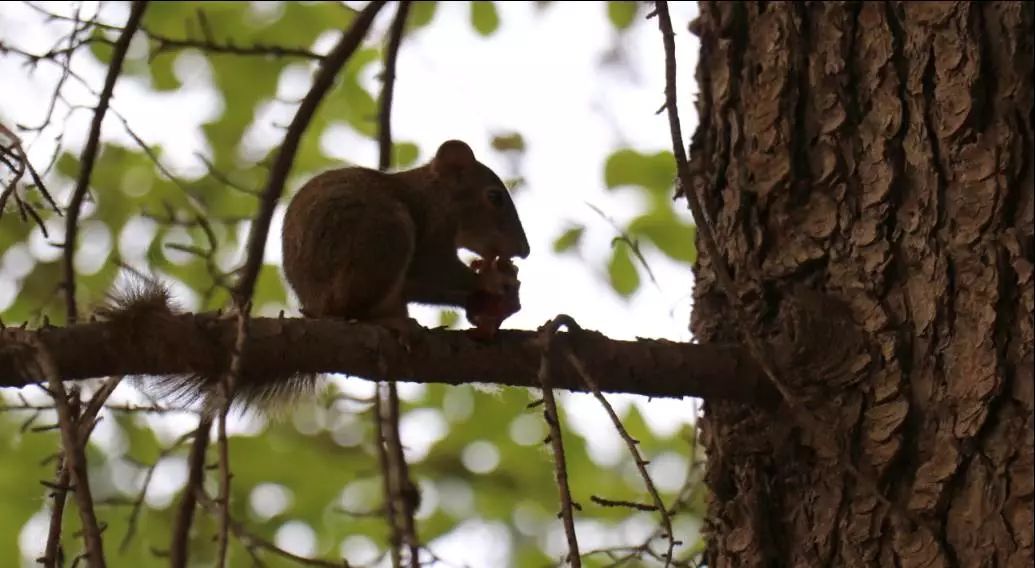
{"type": "Point", "coordinates": [347, 239]}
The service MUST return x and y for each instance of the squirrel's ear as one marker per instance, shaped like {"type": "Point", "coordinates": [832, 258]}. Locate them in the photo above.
{"type": "Point", "coordinates": [453, 156]}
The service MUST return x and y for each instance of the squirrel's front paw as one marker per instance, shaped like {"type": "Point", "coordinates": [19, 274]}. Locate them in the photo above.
{"type": "Point", "coordinates": [405, 330]}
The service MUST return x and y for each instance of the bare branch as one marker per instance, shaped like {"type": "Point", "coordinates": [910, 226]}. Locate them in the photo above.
{"type": "Point", "coordinates": [548, 333]}
{"type": "Point", "coordinates": [90, 153]}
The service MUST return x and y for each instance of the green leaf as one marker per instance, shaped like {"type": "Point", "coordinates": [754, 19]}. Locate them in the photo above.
{"type": "Point", "coordinates": [484, 17]}
{"type": "Point", "coordinates": [421, 14]}
{"type": "Point", "coordinates": [654, 172]}
{"type": "Point", "coordinates": [622, 14]}
{"type": "Point", "coordinates": [668, 233]}
{"type": "Point", "coordinates": [448, 318]}
{"type": "Point", "coordinates": [621, 271]}
{"type": "Point", "coordinates": [405, 154]}
{"type": "Point", "coordinates": [512, 142]}
{"type": "Point", "coordinates": [568, 239]}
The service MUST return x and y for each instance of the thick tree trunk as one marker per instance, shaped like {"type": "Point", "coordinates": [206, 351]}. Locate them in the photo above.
{"type": "Point", "coordinates": [879, 154]}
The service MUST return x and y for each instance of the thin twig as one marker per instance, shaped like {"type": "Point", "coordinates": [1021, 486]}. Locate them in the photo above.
{"type": "Point", "coordinates": [17, 167]}
{"type": "Point", "coordinates": [388, 487]}
{"type": "Point", "coordinates": [87, 421]}
{"type": "Point", "coordinates": [139, 501]}
{"type": "Point", "coordinates": [73, 44]}
{"type": "Point", "coordinates": [178, 549]}
{"type": "Point", "coordinates": [604, 502]}
{"type": "Point", "coordinates": [547, 334]}
{"type": "Point", "coordinates": [400, 494]}
{"type": "Point", "coordinates": [629, 241]}
{"type": "Point", "coordinates": [223, 178]}
{"type": "Point", "coordinates": [52, 555]}
{"type": "Point", "coordinates": [250, 538]}
{"type": "Point", "coordinates": [405, 491]}
{"type": "Point", "coordinates": [226, 390]}
{"type": "Point", "coordinates": [90, 151]}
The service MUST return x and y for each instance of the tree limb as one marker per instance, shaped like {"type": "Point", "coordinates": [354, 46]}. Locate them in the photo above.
{"type": "Point", "coordinates": [280, 348]}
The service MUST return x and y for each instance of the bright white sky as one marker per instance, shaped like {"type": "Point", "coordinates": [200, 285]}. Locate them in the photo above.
{"type": "Point", "coordinates": [540, 75]}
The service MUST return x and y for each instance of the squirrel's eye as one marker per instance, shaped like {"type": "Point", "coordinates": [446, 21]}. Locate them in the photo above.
{"type": "Point", "coordinates": [497, 197]}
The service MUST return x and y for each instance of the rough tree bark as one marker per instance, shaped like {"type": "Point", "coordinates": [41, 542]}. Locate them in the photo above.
{"type": "Point", "coordinates": [880, 155]}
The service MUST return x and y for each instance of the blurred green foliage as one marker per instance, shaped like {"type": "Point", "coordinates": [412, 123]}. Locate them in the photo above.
{"type": "Point", "coordinates": [197, 223]}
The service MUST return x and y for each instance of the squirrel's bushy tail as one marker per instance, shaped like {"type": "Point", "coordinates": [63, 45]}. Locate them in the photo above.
{"type": "Point", "coordinates": [143, 317]}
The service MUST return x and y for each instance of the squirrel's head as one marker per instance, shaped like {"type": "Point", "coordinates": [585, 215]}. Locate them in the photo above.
{"type": "Point", "coordinates": [487, 221]}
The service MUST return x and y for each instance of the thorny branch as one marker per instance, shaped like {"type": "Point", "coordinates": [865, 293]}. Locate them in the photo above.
{"type": "Point", "coordinates": [52, 552]}
{"type": "Point", "coordinates": [547, 335]}
{"type": "Point", "coordinates": [90, 153]}
{"type": "Point", "coordinates": [641, 465]}
{"type": "Point", "coordinates": [225, 391]}
{"type": "Point", "coordinates": [72, 441]}
{"type": "Point", "coordinates": [391, 502]}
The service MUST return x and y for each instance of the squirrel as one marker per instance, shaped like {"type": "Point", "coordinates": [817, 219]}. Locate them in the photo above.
{"type": "Point", "coordinates": [361, 244]}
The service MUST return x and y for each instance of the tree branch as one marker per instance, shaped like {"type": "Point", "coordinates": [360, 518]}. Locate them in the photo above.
{"type": "Point", "coordinates": [90, 152]}
{"type": "Point", "coordinates": [284, 347]}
